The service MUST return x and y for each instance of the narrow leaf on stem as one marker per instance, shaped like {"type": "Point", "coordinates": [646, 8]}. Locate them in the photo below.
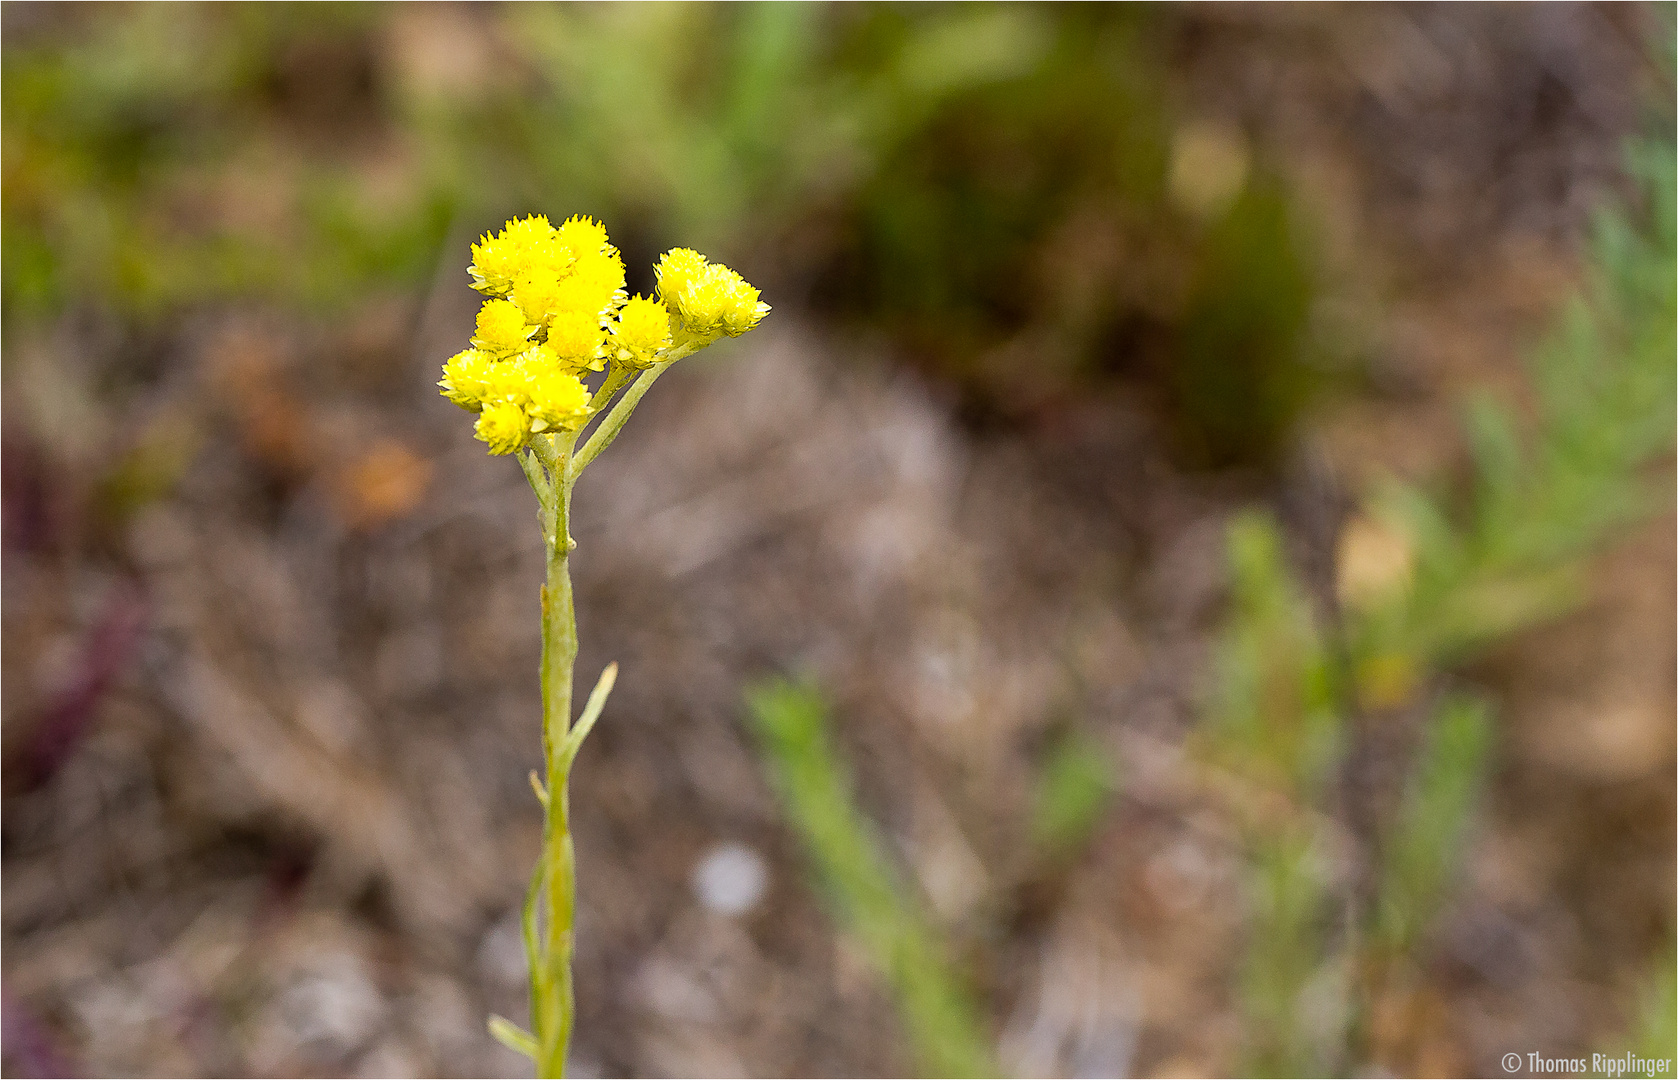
{"type": "Point", "coordinates": [512, 1036]}
{"type": "Point", "coordinates": [591, 713]}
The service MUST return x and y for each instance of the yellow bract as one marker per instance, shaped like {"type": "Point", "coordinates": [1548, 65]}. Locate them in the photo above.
{"type": "Point", "coordinates": [536, 293]}
{"type": "Point", "coordinates": [741, 308]}
{"type": "Point", "coordinates": [595, 284]}
{"type": "Point", "coordinates": [556, 297]}
{"type": "Point", "coordinates": [510, 380]}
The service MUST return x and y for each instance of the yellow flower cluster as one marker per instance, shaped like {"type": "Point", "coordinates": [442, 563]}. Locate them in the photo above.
{"type": "Point", "coordinates": [708, 297]}
{"type": "Point", "coordinates": [557, 310]}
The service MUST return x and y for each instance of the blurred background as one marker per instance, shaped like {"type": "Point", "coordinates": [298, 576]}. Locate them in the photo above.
{"type": "Point", "coordinates": [969, 718]}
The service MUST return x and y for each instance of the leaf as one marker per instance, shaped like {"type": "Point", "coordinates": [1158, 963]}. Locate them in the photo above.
{"type": "Point", "coordinates": [512, 1036]}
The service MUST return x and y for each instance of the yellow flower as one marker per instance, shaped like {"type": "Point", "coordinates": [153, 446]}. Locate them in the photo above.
{"type": "Point", "coordinates": [594, 283]}
{"type": "Point", "coordinates": [558, 401]}
{"type": "Point", "coordinates": [466, 378]}
{"type": "Point", "coordinates": [501, 328]}
{"type": "Point", "coordinates": [675, 273]}
{"type": "Point", "coordinates": [741, 308]}
{"type": "Point", "coordinates": [709, 297]}
{"type": "Point", "coordinates": [555, 297]}
{"type": "Point", "coordinates": [536, 292]}
{"type": "Point", "coordinates": [642, 329]}
{"type": "Point", "coordinates": [583, 234]}
{"type": "Point", "coordinates": [525, 244]}
{"type": "Point", "coordinates": [504, 426]}
{"type": "Point", "coordinates": [538, 359]}
{"type": "Point", "coordinates": [509, 380]}
{"type": "Point", "coordinates": [575, 337]}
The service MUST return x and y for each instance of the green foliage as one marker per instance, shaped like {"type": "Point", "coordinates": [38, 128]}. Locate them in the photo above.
{"type": "Point", "coordinates": [151, 162]}
{"type": "Point", "coordinates": [633, 112]}
{"type": "Point", "coordinates": [1246, 363]}
{"type": "Point", "coordinates": [1655, 1035]}
{"type": "Point", "coordinates": [1275, 716]}
{"type": "Point", "coordinates": [867, 895]}
{"type": "Point", "coordinates": [1275, 721]}
{"type": "Point", "coordinates": [1425, 839]}
{"type": "Point", "coordinates": [1499, 558]}
{"type": "Point", "coordinates": [1073, 790]}
{"type": "Point", "coordinates": [1606, 382]}
{"type": "Point", "coordinates": [1293, 1031]}
{"type": "Point", "coordinates": [1050, 112]}
{"type": "Point", "coordinates": [1031, 218]}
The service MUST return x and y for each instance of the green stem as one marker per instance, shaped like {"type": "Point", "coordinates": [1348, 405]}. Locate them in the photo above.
{"type": "Point", "coordinates": [614, 422]}
{"type": "Point", "coordinates": [532, 466]}
{"type": "Point", "coordinates": [551, 907]}
{"type": "Point", "coordinates": [615, 380]}
{"type": "Point", "coordinates": [549, 925]}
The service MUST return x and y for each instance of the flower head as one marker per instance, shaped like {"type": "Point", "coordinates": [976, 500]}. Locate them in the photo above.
{"type": "Point", "coordinates": [676, 271]}
{"type": "Point", "coordinates": [595, 283]}
{"type": "Point", "coordinates": [740, 309]}
{"type": "Point", "coordinates": [709, 298]}
{"type": "Point", "coordinates": [558, 401]}
{"type": "Point", "coordinates": [575, 339]}
{"type": "Point", "coordinates": [504, 426]}
{"type": "Point", "coordinates": [582, 233]}
{"type": "Point", "coordinates": [509, 380]}
{"type": "Point", "coordinates": [642, 329]}
{"type": "Point", "coordinates": [466, 377]}
{"type": "Point", "coordinates": [502, 328]}
{"type": "Point", "coordinates": [524, 244]}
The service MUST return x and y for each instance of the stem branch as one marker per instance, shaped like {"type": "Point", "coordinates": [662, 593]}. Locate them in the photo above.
{"type": "Point", "coordinates": [615, 420]}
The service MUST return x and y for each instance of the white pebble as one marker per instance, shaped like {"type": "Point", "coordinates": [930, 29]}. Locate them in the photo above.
{"type": "Point", "coordinates": [731, 879]}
